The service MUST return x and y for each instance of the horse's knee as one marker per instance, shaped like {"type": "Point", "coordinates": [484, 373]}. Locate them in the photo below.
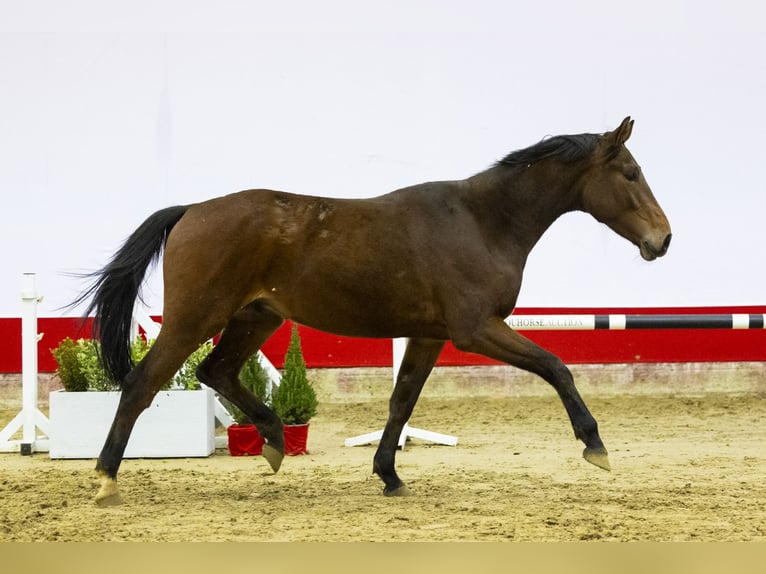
{"type": "Point", "coordinates": [558, 374]}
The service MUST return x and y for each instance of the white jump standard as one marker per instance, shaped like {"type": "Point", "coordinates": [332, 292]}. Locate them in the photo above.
{"type": "Point", "coordinates": [30, 418]}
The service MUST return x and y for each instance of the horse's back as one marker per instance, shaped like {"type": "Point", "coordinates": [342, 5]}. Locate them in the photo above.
{"type": "Point", "coordinates": [363, 267]}
{"type": "Point", "coordinates": [294, 219]}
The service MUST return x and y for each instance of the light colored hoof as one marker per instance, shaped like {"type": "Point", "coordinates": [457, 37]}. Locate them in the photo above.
{"type": "Point", "coordinates": [273, 456]}
{"type": "Point", "coordinates": [597, 456]}
{"type": "Point", "coordinates": [109, 494]}
{"type": "Point", "coordinates": [401, 491]}
{"type": "Point", "coordinates": [109, 500]}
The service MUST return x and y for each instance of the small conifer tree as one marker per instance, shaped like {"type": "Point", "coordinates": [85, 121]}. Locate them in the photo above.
{"type": "Point", "coordinates": [295, 400]}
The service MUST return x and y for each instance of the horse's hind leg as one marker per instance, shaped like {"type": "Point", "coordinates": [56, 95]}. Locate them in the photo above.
{"type": "Point", "coordinates": [246, 331]}
{"type": "Point", "coordinates": [418, 361]}
{"type": "Point", "coordinates": [138, 389]}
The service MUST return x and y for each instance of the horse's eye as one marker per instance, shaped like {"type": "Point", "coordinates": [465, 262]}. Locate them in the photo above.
{"type": "Point", "coordinates": [632, 174]}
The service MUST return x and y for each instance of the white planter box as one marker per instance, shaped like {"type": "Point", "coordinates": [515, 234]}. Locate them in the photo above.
{"type": "Point", "coordinates": [177, 424]}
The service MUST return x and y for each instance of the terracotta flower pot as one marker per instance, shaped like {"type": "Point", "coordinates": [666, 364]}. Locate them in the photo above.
{"type": "Point", "coordinates": [296, 437]}
{"type": "Point", "coordinates": [244, 440]}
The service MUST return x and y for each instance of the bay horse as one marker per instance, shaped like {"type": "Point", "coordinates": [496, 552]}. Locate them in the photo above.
{"type": "Point", "coordinates": [435, 262]}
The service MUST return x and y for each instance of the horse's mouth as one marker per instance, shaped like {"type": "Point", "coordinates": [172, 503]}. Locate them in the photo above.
{"type": "Point", "coordinates": [650, 252]}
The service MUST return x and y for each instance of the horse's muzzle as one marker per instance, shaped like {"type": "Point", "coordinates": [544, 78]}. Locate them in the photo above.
{"type": "Point", "coordinates": [651, 251]}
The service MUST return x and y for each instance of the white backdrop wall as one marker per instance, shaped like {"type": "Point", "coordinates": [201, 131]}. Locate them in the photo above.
{"type": "Point", "coordinates": [110, 111]}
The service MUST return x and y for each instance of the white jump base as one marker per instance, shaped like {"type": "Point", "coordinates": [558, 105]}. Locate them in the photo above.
{"type": "Point", "coordinates": [400, 345]}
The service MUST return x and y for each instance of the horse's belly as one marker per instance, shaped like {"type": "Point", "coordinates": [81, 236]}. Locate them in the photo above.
{"type": "Point", "coordinates": [369, 317]}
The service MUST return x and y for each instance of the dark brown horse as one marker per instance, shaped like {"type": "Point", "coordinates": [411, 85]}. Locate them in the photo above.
{"type": "Point", "coordinates": [435, 262]}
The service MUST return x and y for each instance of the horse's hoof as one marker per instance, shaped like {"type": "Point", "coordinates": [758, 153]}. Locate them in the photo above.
{"type": "Point", "coordinates": [110, 500]}
{"type": "Point", "coordinates": [273, 456]}
{"type": "Point", "coordinates": [597, 456]}
{"type": "Point", "coordinates": [109, 494]}
{"type": "Point", "coordinates": [400, 491]}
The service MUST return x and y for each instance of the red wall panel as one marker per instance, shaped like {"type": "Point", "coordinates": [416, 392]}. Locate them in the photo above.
{"type": "Point", "coordinates": [326, 350]}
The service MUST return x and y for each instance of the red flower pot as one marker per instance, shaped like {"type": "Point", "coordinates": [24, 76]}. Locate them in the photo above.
{"type": "Point", "coordinates": [244, 440]}
{"type": "Point", "coordinates": [295, 439]}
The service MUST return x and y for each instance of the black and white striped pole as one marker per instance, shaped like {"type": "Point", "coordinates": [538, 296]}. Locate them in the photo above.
{"type": "Point", "coordinates": [618, 322]}
{"type": "Point", "coordinates": [595, 322]}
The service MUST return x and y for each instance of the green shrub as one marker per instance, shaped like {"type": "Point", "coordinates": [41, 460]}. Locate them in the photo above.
{"type": "Point", "coordinates": [90, 363]}
{"type": "Point", "coordinates": [186, 377]}
{"type": "Point", "coordinates": [79, 366]}
{"type": "Point", "coordinates": [295, 400]}
{"type": "Point", "coordinates": [69, 370]}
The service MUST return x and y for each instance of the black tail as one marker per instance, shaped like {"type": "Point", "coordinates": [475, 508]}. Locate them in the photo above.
{"type": "Point", "coordinates": [118, 285]}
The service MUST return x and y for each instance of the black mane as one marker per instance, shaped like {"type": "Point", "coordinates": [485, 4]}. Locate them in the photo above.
{"type": "Point", "coordinates": [567, 149]}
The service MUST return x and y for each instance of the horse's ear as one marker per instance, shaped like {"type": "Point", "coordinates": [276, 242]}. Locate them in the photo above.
{"type": "Point", "coordinates": [615, 139]}
{"type": "Point", "coordinates": [625, 129]}
{"type": "Point", "coordinates": [622, 133]}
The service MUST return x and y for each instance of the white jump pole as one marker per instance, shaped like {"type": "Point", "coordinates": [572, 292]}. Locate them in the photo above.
{"type": "Point", "coordinates": [399, 348]}
{"type": "Point", "coordinates": [30, 418]}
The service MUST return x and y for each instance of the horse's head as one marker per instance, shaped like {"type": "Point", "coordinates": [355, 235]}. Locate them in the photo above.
{"type": "Point", "coordinates": [615, 192]}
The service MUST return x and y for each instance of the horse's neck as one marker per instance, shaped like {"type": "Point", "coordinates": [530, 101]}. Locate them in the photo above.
{"type": "Point", "coordinates": [521, 204]}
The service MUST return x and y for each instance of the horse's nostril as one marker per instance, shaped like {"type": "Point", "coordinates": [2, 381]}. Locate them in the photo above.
{"type": "Point", "coordinates": [666, 243]}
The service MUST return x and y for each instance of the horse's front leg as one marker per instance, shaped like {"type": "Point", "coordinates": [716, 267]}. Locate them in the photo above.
{"type": "Point", "coordinates": [495, 339]}
{"type": "Point", "coordinates": [418, 361]}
